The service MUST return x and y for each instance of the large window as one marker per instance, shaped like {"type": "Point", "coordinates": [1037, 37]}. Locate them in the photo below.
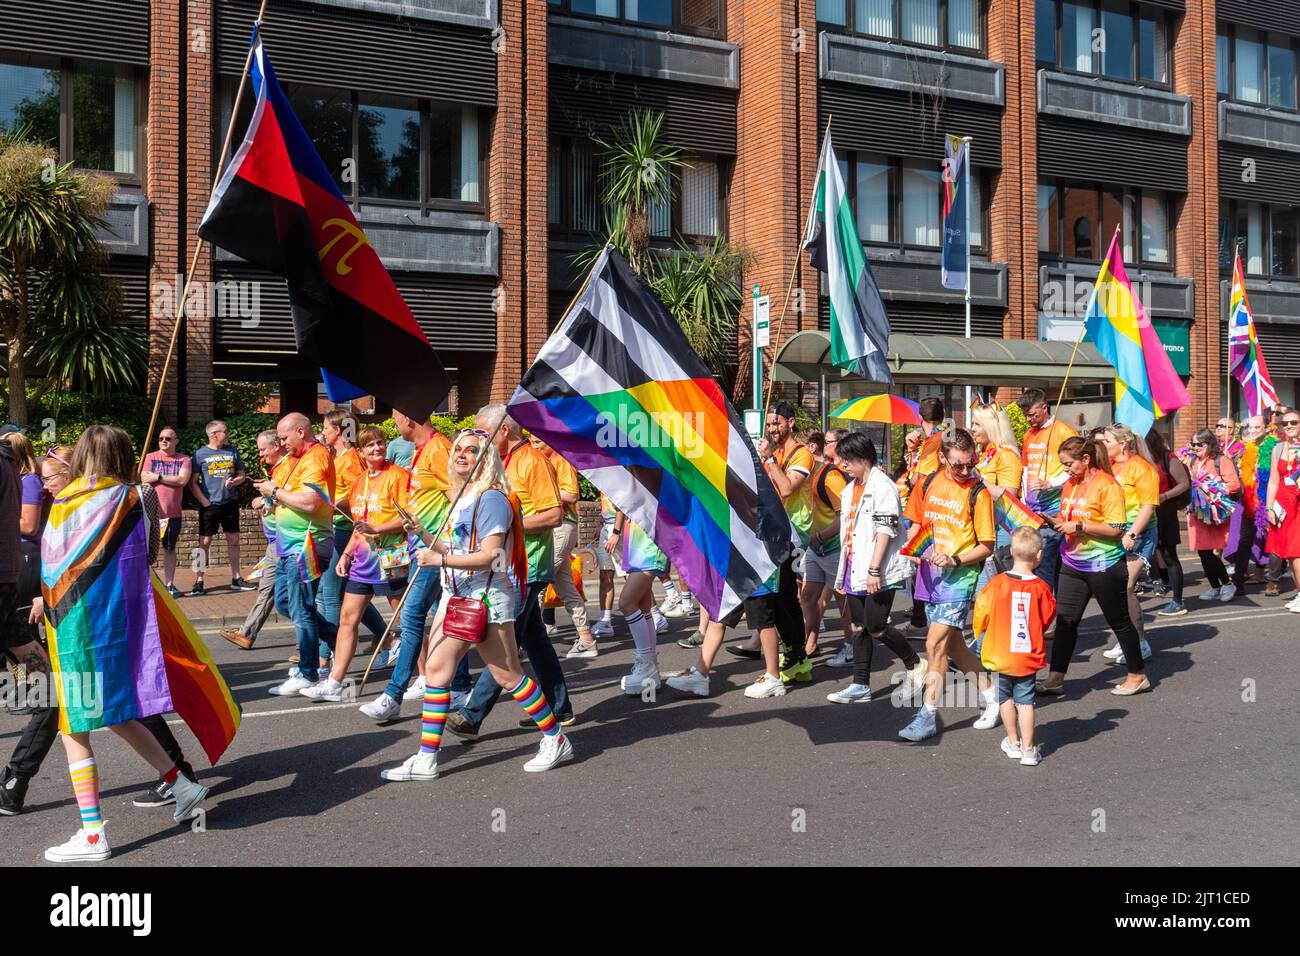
{"type": "Point", "coordinates": [693, 210]}
{"type": "Point", "coordinates": [900, 203]}
{"type": "Point", "coordinates": [1257, 67]}
{"type": "Point", "coordinates": [1268, 236]}
{"type": "Point", "coordinates": [1076, 221]}
{"type": "Point", "coordinates": [391, 150]}
{"type": "Point", "coordinates": [90, 114]}
{"type": "Point", "coordinates": [1116, 39]}
{"type": "Point", "coordinates": [703, 17]}
{"type": "Point", "coordinates": [947, 24]}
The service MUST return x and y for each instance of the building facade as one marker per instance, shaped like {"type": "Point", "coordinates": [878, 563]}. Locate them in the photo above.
{"type": "Point", "coordinates": [465, 134]}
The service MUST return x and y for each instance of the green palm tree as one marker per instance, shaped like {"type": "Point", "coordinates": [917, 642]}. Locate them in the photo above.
{"type": "Point", "coordinates": [56, 307]}
{"type": "Point", "coordinates": [637, 174]}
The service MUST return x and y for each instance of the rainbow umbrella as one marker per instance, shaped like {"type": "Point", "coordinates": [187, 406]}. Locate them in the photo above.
{"type": "Point", "coordinates": [892, 409]}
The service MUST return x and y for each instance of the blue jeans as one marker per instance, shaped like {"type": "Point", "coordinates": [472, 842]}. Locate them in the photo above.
{"type": "Point", "coordinates": [1049, 569]}
{"type": "Point", "coordinates": [296, 600]}
{"type": "Point", "coordinates": [422, 596]}
{"type": "Point", "coordinates": [329, 593]}
{"type": "Point", "coordinates": [531, 637]}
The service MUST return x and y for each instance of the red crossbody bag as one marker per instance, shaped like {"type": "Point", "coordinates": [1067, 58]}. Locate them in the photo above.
{"type": "Point", "coordinates": [466, 617]}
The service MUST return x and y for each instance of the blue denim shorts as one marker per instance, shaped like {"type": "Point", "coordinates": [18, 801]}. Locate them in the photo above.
{"type": "Point", "coordinates": [951, 613]}
{"type": "Point", "coordinates": [1145, 546]}
{"type": "Point", "coordinates": [1018, 689]}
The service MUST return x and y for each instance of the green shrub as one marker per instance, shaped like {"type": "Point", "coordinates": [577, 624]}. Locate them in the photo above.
{"type": "Point", "coordinates": [1019, 424]}
{"type": "Point", "coordinates": [232, 399]}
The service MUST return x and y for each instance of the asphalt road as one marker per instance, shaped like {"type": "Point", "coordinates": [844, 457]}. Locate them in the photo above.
{"type": "Point", "coordinates": [1201, 771]}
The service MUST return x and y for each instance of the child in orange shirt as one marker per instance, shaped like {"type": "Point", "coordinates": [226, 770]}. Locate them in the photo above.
{"type": "Point", "coordinates": [1012, 613]}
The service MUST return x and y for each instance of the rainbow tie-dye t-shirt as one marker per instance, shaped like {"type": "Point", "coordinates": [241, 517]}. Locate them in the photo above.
{"type": "Point", "coordinates": [532, 479]}
{"type": "Point", "coordinates": [798, 461]}
{"type": "Point", "coordinates": [427, 485]}
{"type": "Point", "coordinates": [1141, 484]}
{"type": "Point", "coordinates": [1040, 454]}
{"type": "Point", "coordinates": [1099, 500]}
{"type": "Point", "coordinates": [608, 513]}
{"type": "Point", "coordinates": [375, 500]}
{"type": "Point", "coordinates": [943, 508]}
{"type": "Point", "coordinates": [828, 482]}
{"type": "Point", "coordinates": [348, 467]}
{"type": "Point", "coordinates": [294, 530]}
{"type": "Point", "coordinates": [566, 478]}
{"type": "Point", "coordinates": [640, 553]}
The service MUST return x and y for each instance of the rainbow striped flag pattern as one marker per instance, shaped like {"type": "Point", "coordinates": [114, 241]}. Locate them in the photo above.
{"type": "Point", "coordinates": [956, 237]}
{"type": "Point", "coordinates": [619, 393]}
{"type": "Point", "coordinates": [1244, 356]}
{"type": "Point", "coordinates": [119, 648]}
{"type": "Point", "coordinates": [1011, 513]}
{"type": "Point", "coordinates": [920, 544]}
{"type": "Point", "coordinates": [1146, 385]}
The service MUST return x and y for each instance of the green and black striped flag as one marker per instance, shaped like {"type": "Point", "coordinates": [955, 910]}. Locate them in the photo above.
{"type": "Point", "coordinates": [859, 324]}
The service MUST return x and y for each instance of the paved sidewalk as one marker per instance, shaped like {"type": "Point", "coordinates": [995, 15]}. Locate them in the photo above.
{"type": "Point", "coordinates": [219, 606]}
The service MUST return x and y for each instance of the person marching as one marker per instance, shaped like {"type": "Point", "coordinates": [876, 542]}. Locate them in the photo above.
{"type": "Point", "coordinates": [643, 562]}
{"type": "Point", "coordinates": [1044, 475]}
{"type": "Point", "coordinates": [1175, 492]}
{"type": "Point", "coordinates": [272, 453]}
{"type": "Point", "coordinates": [1210, 464]}
{"type": "Point", "coordinates": [954, 506]}
{"type": "Point", "coordinates": [1093, 517]}
{"type": "Point", "coordinates": [605, 564]}
{"type": "Point", "coordinates": [485, 524]}
{"type": "Point", "coordinates": [566, 540]}
{"type": "Point", "coordinates": [1140, 481]}
{"type": "Point", "coordinates": [1283, 499]}
{"type": "Point", "coordinates": [923, 459]}
{"type": "Point", "coordinates": [822, 558]}
{"type": "Point", "coordinates": [999, 466]}
{"type": "Point", "coordinates": [375, 559]}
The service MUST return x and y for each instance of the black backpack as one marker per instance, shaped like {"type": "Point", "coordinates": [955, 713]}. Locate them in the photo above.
{"type": "Point", "coordinates": [821, 484]}
{"type": "Point", "coordinates": [974, 491]}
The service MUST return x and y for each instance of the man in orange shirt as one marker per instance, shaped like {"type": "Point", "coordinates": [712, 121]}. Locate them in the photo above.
{"type": "Point", "coordinates": [1043, 476]}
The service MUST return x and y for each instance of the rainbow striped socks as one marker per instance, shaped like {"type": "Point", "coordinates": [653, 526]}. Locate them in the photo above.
{"type": "Point", "coordinates": [85, 787]}
{"type": "Point", "coordinates": [437, 701]}
{"type": "Point", "coordinates": [533, 701]}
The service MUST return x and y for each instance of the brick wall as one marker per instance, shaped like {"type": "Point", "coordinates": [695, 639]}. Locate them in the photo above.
{"type": "Point", "coordinates": [252, 543]}
{"type": "Point", "coordinates": [162, 188]}
{"type": "Point", "coordinates": [201, 100]}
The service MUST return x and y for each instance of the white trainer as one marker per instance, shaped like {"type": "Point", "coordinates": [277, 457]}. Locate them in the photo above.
{"type": "Point", "coordinates": [923, 725]}
{"type": "Point", "coordinates": [1012, 750]}
{"type": "Point", "coordinates": [416, 690]}
{"type": "Point", "coordinates": [1146, 654]}
{"type": "Point", "coordinates": [603, 628]}
{"type": "Point", "coordinates": [554, 750]}
{"type": "Point", "coordinates": [382, 708]}
{"type": "Point", "coordinates": [766, 686]}
{"type": "Point", "coordinates": [581, 650]}
{"type": "Point", "coordinates": [1227, 592]}
{"type": "Point", "coordinates": [677, 608]}
{"type": "Point", "coordinates": [692, 682]}
{"type": "Point", "coordinates": [990, 717]}
{"type": "Point", "coordinates": [1113, 652]}
{"type": "Point", "coordinates": [86, 846]}
{"type": "Point", "coordinates": [1211, 595]}
{"type": "Point", "coordinates": [661, 622]}
{"type": "Point", "coordinates": [645, 674]}
{"type": "Point", "coordinates": [422, 766]}
{"type": "Point", "coordinates": [843, 657]}
{"type": "Point", "coordinates": [328, 689]}
{"type": "Point", "coordinates": [913, 683]}
{"type": "Point", "coordinates": [292, 687]}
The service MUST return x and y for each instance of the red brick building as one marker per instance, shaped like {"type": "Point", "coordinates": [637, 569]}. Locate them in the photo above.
{"type": "Point", "coordinates": [462, 131]}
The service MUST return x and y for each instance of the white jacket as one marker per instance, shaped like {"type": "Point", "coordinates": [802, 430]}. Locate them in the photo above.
{"type": "Point", "coordinates": [879, 511]}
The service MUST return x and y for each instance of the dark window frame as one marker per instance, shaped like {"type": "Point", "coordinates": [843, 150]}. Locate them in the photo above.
{"type": "Point", "coordinates": [1136, 11]}
{"type": "Point", "coordinates": [1229, 31]}
{"type": "Point", "coordinates": [850, 27]}
{"type": "Point", "coordinates": [1132, 194]}
{"type": "Point", "coordinates": [678, 25]}
{"type": "Point", "coordinates": [896, 166]}
{"type": "Point", "coordinates": [1227, 231]}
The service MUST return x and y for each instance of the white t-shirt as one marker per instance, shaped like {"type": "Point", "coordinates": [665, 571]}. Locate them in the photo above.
{"type": "Point", "coordinates": [494, 516]}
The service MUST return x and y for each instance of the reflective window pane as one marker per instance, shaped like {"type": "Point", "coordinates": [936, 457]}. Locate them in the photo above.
{"type": "Point", "coordinates": [1250, 235]}
{"type": "Point", "coordinates": [584, 196]}
{"type": "Point", "coordinates": [702, 15]}
{"type": "Point", "coordinates": [963, 24]}
{"type": "Point", "coordinates": [1153, 54]}
{"type": "Point", "coordinates": [1281, 76]}
{"type": "Point", "coordinates": [29, 97]}
{"type": "Point", "coordinates": [1283, 241]}
{"type": "Point", "coordinates": [1155, 229]}
{"type": "Point", "coordinates": [919, 21]}
{"type": "Point", "coordinates": [388, 152]}
{"type": "Point", "coordinates": [655, 12]}
{"type": "Point", "coordinates": [1049, 217]}
{"type": "Point", "coordinates": [921, 210]}
{"type": "Point", "coordinates": [554, 187]}
{"type": "Point", "coordinates": [1114, 214]}
{"type": "Point", "coordinates": [1249, 63]}
{"type": "Point", "coordinates": [103, 121]}
{"type": "Point", "coordinates": [1223, 64]}
{"type": "Point", "coordinates": [873, 199]}
{"type": "Point", "coordinates": [1045, 30]}
{"type": "Point", "coordinates": [1079, 208]}
{"type": "Point", "coordinates": [976, 208]}
{"type": "Point", "coordinates": [700, 192]}
{"type": "Point", "coordinates": [1077, 25]}
{"type": "Point", "coordinates": [831, 11]}
{"type": "Point", "coordinates": [601, 8]}
{"type": "Point", "coordinates": [875, 17]}
{"type": "Point", "coordinates": [1117, 42]}
{"type": "Point", "coordinates": [454, 153]}
{"type": "Point", "coordinates": [326, 116]}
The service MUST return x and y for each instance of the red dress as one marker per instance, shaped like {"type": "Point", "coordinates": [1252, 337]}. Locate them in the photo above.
{"type": "Point", "coordinates": [1285, 541]}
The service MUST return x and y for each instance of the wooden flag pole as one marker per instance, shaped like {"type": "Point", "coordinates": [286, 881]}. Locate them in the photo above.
{"type": "Point", "coordinates": [198, 245]}
{"type": "Point", "coordinates": [1075, 352]}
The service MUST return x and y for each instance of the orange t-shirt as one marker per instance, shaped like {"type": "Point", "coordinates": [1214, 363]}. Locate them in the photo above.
{"type": "Point", "coordinates": [1012, 614]}
{"type": "Point", "coordinates": [348, 467]}
{"type": "Point", "coordinates": [566, 478]}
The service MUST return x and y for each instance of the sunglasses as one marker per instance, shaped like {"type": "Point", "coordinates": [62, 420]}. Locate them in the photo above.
{"type": "Point", "coordinates": [166, 437]}
{"type": "Point", "coordinates": [966, 467]}
{"type": "Point", "coordinates": [1291, 422]}
{"type": "Point", "coordinates": [1198, 444]}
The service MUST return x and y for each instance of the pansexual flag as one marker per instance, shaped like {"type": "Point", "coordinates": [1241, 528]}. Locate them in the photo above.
{"type": "Point", "coordinates": [620, 394]}
{"type": "Point", "coordinates": [1011, 513]}
{"type": "Point", "coordinates": [1146, 385]}
{"type": "Point", "coordinates": [278, 207]}
{"type": "Point", "coordinates": [922, 543]}
{"type": "Point", "coordinates": [1244, 356]}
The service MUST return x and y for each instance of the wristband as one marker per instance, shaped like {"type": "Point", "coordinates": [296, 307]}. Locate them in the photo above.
{"type": "Point", "coordinates": [873, 572]}
{"type": "Point", "coordinates": [616, 532]}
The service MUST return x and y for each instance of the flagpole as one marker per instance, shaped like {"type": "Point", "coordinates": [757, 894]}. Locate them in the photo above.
{"type": "Point", "coordinates": [966, 191]}
{"type": "Point", "coordinates": [1077, 342]}
{"type": "Point", "coordinates": [199, 244]}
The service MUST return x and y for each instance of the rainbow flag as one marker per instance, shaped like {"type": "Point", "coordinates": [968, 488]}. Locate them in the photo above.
{"type": "Point", "coordinates": [1012, 513]}
{"type": "Point", "coordinates": [618, 391]}
{"type": "Point", "coordinates": [1244, 356]}
{"type": "Point", "coordinates": [119, 648]}
{"type": "Point", "coordinates": [1146, 385]}
{"type": "Point", "coordinates": [920, 544]}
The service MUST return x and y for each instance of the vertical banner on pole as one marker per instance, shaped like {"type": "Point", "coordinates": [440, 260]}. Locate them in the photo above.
{"type": "Point", "coordinates": [762, 333]}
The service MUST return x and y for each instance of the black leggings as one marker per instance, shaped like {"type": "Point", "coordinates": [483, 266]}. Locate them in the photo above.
{"type": "Point", "coordinates": [789, 615]}
{"type": "Point", "coordinates": [1073, 591]}
{"type": "Point", "coordinates": [870, 615]}
{"type": "Point", "coordinates": [1174, 570]}
{"type": "Point", "coordinates": [1215, 571]}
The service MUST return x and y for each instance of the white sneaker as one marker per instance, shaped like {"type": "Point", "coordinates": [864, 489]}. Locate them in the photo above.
{"type": "Point", "coordinates": [1227, 592]}
{"type": "Point", "coordinates": [843, 657]}
{"type": "Point", "coordinates": [382, 708]}
{"type": "Point", "coordinates": [661, 622]}
{"type": "Point", "coordinates": [678, 608]}
{"type": "Point", "coordinates": [692, 682]}
{"type": "Point", "coordinates": [1146, 654]}
{"type": "Point", "coordinates": [292, 687]}
{"type": "Point", "coordinates": [420, 767]}
{"type": "Point", "coordinates": [1294, 604]}
{"type": "Point", "coordinates": [913, 683]}
{"type": "Point", "coordinates": [328, 689]}
{"type": "Point", "coordinates": [923, 725]}
{"type": "Point", "coordinates": [765, 686]}
{"type": "Point", "coordinates": [554, 750]}
{"type": "Point", "coordinates": [189, 795]}
{"type": "Point", "coordinates": [551, 630]}
{"type": "Point", "coordinates": [1113, 652]}
{"type": "Point", "coordinates": [645, 673]}
{"type": "Point", "coordinates": [1030, 757]}
{"type": "Point", "coordinates": [416, 690]}
{"type": "Point", "coordinates": [990, 717]}
{"type": "Point", "coordinates": [1211, 595]}
{"type": "Point", "coordinates": [84, 847]}
{"type": "Point", "coordinates": [603, 628]}
{"type": "Point", "coordinates": [1011, 750]}
{"type": "Point", "coordinates": [581, 650]}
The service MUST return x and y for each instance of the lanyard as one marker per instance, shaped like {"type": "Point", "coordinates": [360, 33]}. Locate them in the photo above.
{"type": "Point", "coordinates": [365, 508]}
{"type": "Point", "coordinates": [415, 463]}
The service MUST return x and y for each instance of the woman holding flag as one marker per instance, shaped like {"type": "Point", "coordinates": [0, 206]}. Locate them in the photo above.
{"type": "Point", "coordinates": [999, 466]}
{"type": "Point", "coordinates": [1215, 486]}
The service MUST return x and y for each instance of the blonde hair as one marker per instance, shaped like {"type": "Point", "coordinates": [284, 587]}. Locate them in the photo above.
{"type": "Point", "coordinates": [490, 472]}
{"type": "Point", "coordinates": [24, 457]}
{"type": "Point", "coordinates": [1026, 545]}
{"type": "Point", "coordinates": [1130, 439]}
{"type": "Point", "coordinates": [997, 425]}
{"type": "Point", "coordinates": [60, 457]}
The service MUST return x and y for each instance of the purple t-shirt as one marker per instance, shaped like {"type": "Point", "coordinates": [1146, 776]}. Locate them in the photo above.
{"type": "Point", "coordinates": [169, 466]}
{"type": "Point", "coordinates": [34, 494]}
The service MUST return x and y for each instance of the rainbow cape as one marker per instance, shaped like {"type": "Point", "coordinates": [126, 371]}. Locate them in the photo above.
{"type": "Point", "coordinates": [119, 648]}
{"type": "Point", "coordinates": [920, 544]}
{"type": "Point", "coordinates": [1012, 513]}
{"type": "Point", "coordinates": [1146, 385]}
{"type": "Point", "coordinates": [1245, 359]}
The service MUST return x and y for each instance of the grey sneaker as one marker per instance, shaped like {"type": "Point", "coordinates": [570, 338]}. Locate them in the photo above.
{"type": "Point", "coordinates": [695, 640]}
{"type": "Point", "coordinates": [188, 796]}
